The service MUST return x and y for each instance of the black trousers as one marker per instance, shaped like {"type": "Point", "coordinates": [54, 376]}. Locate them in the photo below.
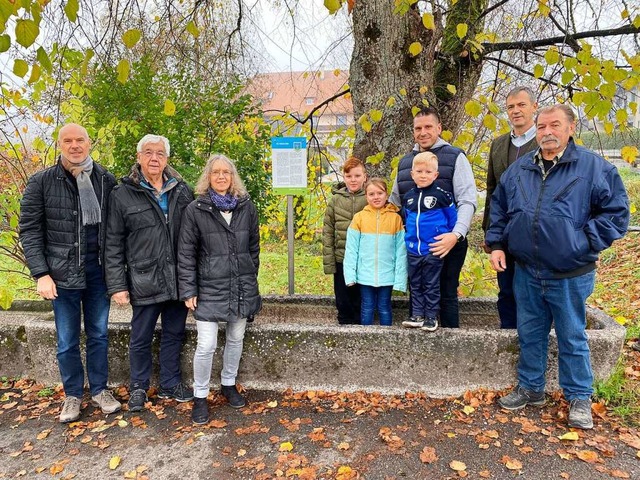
{"type": "Point", "coordinates": [347, 299]}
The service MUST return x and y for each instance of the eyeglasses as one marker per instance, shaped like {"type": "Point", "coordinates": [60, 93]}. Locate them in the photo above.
{"type": "Point", "coordinates": [217, 173]}
{"type": "Point", "coordinates": [151, 153]}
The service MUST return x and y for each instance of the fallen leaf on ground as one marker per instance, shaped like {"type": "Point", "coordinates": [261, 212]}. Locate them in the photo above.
{"type": "Point", "coordinates": [285, 447]}
{"type": "Point", "coordinates": [588, 456]}
{"type": "Point", "coordinates": [570, 436]}
{"type": "Point", "coordinates": [114, 462]}
{"type": "Point", "coordinates": [457, 466]}
{"type": "Point", "coordinates": [428, 455]}
{"type": "Point", "coordinates": [511, 463]}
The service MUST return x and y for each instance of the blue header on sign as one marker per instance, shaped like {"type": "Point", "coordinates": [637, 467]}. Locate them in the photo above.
{"type": "Point", "coordinates": [291, 143]}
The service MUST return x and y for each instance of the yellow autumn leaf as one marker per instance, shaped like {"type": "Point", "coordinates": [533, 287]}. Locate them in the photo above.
{"type": "Point", "coordinates": [629, 153]}
{"type": "Point", "coordinates": [452, 89]}
{"type": "Point", "coordinates": [462, 29]}
{"type": "Point", "coordinates": [122, 423]}
{"type": "Point", "coordinates": [285, 447]}
{"type": "Point", "coordinates": [468, 409]}
{"type": "Point", "coordinates": [415, 48]}
{"type": "Point", "coordinates": [632, 208]}
{"type": "Point", "coordinates": [169, 108]}
{"type": "Point", "coordinates": [43, 434]}
{"type": "Point", "coordinates": [273, 404]}
{"type": "Point", "coordinates": [457, 466]}
{"type": "Point", "coordinates": [621, 320]}
{"type": "Point", "coordinates": [376, 115]}
{"type": "Point", "coordinates": [114, 462]}
{"type": "Point", "coordinates": [131, 474]}
{"type": "Point", "coordinates": [391, 101]}
{"type": "Point", "coordinates": [427, 21]}
{"type": "Point", "coordinates": [473, 108]}
{"type": "Point", "coordinates": [332, 5]}
{"type": "Point", "coordinates": [538, 71]}
{"type": "Point", "coordinates": [608, 128]}
{"type": "Point", "coordinates": [403, 92]}
{"type": "Point", "coordinates": [569, 436]}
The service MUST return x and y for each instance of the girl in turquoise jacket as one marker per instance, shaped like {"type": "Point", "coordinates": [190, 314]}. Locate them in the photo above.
{"type": "Point", "coordinates": [375, 255]}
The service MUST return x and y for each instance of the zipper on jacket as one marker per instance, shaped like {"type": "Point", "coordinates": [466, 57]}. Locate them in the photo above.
{"type": "Point", "coordinates": [79, 227]}
{"type": "Point", "coordinates": [523, 190]}
{"type": "Point", "coordinates": [375, 261]}
{"type": "Point", "coordinates": [418, 222]}
{"type": "Point", "coordinates": [535, 229]}
{"type": "Point", "coordinates": [101, 220]}
{"type": "Point", "coordinates": [565, 190]}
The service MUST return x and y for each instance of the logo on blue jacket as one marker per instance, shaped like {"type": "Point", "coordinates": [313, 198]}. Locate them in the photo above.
{"type": "Point", "coordinates": [430, 202]}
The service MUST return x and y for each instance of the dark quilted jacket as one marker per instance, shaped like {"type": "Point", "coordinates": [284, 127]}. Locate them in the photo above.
{"type": "Point", "coordinates": [218, 262]}
{"type": "Point", "coordinates": [141, 244]}
{"type": "Point", "coordinates": [51, 230]}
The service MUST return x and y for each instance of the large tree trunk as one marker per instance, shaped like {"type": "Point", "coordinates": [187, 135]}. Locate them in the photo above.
{"type": "Point", "coordinates": [381, 67]}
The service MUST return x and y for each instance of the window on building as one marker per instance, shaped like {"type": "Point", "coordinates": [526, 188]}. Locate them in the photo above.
{"type": "Point", "coordinates": [309, 100]}
{"type": "Point", "coordinates": [341, 120]}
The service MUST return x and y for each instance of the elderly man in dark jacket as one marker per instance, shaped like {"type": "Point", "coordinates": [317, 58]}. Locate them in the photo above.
{"type": "Point", "coordinates": [142, 238]}
{"type": "Point", "coordinates": [62, 218]}
{"type": "Point", "coordinates": [556, 210]}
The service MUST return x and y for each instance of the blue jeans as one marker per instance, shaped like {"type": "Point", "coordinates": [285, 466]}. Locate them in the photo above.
{"type": "Point", "coordinates": [562, 301]}
{"type": "Point", "coordinates": [375, 298]}
{"type": "Point", "coordinates": [143, 326]}
{"type": "Point", "coordinates": [92, 303]}
{"type": "Point", "coordinates": [507, 310]}
{"type": "Point", "coordinates": [206, 347]}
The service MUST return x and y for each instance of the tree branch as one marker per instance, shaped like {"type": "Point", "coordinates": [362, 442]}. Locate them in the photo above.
{"type": "Point", "coordinates": [544, 42]}
{"type": "Point", "coordinates": [526, 72]}
{"type": "Point", "coordinates": [324, 103]}
{"type": "Point", "coordinates": [491, 9]}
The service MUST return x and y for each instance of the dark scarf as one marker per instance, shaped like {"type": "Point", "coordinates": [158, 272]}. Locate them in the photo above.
{"type": "Point", "coordinates": [88, 200]}
{"type": "Point", "coordinates": [224, 203]}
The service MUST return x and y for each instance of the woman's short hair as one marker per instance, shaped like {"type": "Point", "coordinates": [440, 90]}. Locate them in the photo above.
{"type": "Point", "coordinates": [236, 189]}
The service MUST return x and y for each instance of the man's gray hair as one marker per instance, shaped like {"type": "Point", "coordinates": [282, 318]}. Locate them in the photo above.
{"type": "Point", "coordinates": [149, 138]}
{"type": "Point", "coordinates": [527, 90]}
{"type": "Point", "coordinates": [566, 109]}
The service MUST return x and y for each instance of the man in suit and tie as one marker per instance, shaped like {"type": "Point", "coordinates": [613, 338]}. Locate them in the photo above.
{"type": "Point", "coordinates": [506, 149]}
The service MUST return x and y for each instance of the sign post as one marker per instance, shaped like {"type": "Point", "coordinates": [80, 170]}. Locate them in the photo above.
{"type": "Point", "coordinates": [289, 177]}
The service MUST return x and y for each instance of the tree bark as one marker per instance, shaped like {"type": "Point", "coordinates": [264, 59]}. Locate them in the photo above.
{"type": "Point", "coordinates": [381, 67]}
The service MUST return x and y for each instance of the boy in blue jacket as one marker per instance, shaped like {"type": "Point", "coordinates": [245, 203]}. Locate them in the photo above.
{"type": "Point", "coordinates": [428, 212]}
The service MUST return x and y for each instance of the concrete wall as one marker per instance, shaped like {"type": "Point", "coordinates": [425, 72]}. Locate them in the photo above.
{"type": "Point", "coordinates": [296, 343]}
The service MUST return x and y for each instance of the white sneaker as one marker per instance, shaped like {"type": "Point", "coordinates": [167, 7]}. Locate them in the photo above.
{"type": "Point", "coordinates": [106, 402]}
{"type": "Point", "coordinates": [70, 409]}
{"type": "Point", "coordinates": [413, 322]}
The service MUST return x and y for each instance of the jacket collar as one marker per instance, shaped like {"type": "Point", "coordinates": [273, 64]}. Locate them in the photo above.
{"type": "Point", "coordinates": [569, 155]}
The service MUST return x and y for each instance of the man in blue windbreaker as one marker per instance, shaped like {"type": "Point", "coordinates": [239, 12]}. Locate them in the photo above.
{"type": "Point", "coordinates": [556, 208]}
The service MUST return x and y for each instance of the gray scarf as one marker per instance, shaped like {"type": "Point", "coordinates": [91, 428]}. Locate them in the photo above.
{"type": "Point", "coordinates": [88, 200]}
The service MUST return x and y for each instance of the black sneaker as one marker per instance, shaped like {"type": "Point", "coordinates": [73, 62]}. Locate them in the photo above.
{"type": "Point", "coordinates": [230, 392]}
{"type": "Point", "coordinates": [180, 393]}
{"type": "Point", "coordinates": [580, 414]}
{"type": "Point", "coordinates": [414, 322]}
{"type": "Point", "coordinates": [520, 398]}
{"type": "Point", "coordinates": [200, 411]}
{"type": "Point", "coordinates": [137, 400]}
{"type": "Point", "coordinates": [430, 324]}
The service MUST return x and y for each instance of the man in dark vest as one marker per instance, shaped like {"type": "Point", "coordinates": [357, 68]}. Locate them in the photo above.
{"type": "Point", "coordinates": [506, 149]}
{"type": "Point", "coordinates": [455, 176]}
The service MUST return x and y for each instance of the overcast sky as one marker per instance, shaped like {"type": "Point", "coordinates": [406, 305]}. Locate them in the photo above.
{"type": "Point", "coordinates": [308, 39]}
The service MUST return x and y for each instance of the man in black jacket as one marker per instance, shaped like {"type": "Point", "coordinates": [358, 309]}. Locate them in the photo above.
{"type": "Point", "coordinates": [62, 217]}
{"type": "Point", "coordinates": [145, 214]}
